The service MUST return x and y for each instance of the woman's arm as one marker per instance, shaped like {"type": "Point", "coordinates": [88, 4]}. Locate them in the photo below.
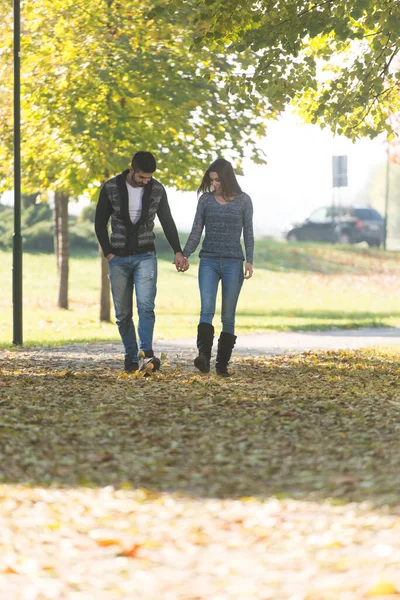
{"type": "Point", "coordinates": [248, 234]}
{"type": "Point", "coordinates": [197, 228]}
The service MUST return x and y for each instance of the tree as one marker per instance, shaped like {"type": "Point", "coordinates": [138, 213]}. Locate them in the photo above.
{"type": "Point", "coordinates": [61, 245]}
{"type": "Point", "coordinates": [102, 79]}
{"type": "Point", "coordinates": [333, 60]}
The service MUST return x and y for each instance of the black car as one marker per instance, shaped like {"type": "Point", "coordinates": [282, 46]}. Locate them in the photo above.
{"type": "Point", "coordinates": [340, 224]}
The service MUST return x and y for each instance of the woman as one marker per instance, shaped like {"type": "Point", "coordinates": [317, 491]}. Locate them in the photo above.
{"type": "Point", "coordinates": [225, 211]}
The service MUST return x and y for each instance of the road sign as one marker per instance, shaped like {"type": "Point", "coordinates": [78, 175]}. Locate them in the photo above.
{"type": "Point", "coordinates": [339, 171]}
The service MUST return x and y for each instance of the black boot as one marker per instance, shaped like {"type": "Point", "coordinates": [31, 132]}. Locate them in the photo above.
{"type": "Point", "coordinates": [205, 338]}
{"type": "Point", "coordinates": [148, 362]}
{"type": "Point", "coordinates": [226, 343]}
{"type": "Point", "coordinates": [130, 365]}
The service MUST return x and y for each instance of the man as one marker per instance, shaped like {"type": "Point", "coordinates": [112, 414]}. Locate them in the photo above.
{"type": "Point", "coordinates": [132, 200]}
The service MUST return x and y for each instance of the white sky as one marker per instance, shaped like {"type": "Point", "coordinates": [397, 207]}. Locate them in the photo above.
{"type": "Point", "coordinates": [296, 179]}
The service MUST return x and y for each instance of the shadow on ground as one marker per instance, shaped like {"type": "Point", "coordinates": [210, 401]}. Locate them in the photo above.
{"type": "Point", "coordinates": [314, 426]}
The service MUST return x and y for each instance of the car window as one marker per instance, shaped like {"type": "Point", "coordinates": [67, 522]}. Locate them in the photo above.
{"type": "Point", "coordinates": [337, 211]}
{"type": "Point", "coordinates": [367, 214]}
{"type": "Point", "coordinates": [346, 214]}
{"type": "Point", "coordinates": [319, 216]}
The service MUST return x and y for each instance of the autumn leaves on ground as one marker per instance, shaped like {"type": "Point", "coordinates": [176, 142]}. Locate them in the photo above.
{"type": "Point", "coordinates": [282, 482]}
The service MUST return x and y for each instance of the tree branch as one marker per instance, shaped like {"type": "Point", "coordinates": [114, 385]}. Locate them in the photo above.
{"type": "Point", "coordinates": [374, 100]}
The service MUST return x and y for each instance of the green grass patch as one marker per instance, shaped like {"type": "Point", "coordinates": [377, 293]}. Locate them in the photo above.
{"type": "Point", "coordinates": [295, 287]}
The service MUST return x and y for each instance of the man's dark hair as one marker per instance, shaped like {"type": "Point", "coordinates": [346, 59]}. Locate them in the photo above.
{"type": "Point", "coordinates": [144, 162]}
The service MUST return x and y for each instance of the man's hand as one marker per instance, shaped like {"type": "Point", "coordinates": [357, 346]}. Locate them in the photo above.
{"type": "Point", "coordinates": [181, 262]}
{"type": "Point", "coordinates": [248, 271]}
{"type": "Point", "coordinates": [109, 257]}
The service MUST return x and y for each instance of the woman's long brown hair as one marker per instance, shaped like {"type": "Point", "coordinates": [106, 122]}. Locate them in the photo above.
{"type": "Point", "coordinates": [227, 177]}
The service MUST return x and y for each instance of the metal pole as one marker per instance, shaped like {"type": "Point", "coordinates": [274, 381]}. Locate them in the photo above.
{"type": "Point", "coordinates": [17, 237]}
{"type": "Point", "coordinates": [387, 192]}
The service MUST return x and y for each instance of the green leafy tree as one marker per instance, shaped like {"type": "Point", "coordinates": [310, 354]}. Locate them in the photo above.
{"type": "Point", "coordinates": [101, 80]}
{"type": "Point", "coordinates": [335, 60]}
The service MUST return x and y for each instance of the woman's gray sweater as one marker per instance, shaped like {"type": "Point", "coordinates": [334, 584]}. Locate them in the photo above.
{"type": "Point", "coordinates": [224, 224]}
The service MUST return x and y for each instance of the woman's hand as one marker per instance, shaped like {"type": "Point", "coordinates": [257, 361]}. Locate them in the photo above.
{"type": "Point", "coordinates": [181, 262]}
{"type": "Point", "coordinates": [248, 271]}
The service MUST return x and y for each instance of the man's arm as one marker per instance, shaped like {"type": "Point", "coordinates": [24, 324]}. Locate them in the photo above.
{"type": "Point", "coordinates": [103, 212]}
{"type": "Point", "coordinates": [168, 224]}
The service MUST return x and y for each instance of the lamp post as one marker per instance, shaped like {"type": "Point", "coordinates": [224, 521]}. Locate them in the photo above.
{"type": "Point", "coordinates": [387, 194]}
{"type": "Point", "coordinates": [17, 237]}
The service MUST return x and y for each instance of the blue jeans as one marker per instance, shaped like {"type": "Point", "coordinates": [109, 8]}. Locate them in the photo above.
{"type": "Point", "coordinates": [127, 273]}
{"type": "Point", "coordinates": [230, 272]}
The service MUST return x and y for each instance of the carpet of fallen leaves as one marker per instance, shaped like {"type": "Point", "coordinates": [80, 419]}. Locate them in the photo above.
{"type": "Point", "coordinates": [280, 483]}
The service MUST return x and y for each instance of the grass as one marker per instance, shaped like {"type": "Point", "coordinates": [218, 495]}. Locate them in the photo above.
{"type": "Point", "coordinates": [323, 258]}
{"type": "Point", "coordinates": [295, 287]}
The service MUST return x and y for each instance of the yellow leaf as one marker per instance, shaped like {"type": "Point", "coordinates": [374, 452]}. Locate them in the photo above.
{"type": "Point", "coordinates": [336, 544]}
{"type": "Point", "coordinates": [126, 485]}
{"type": "Point", "coordinates": [384, 588]}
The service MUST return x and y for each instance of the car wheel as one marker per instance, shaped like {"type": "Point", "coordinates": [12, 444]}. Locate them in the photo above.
{"type": "Point", "coordinates": [344, 238]}
{"type": "Point", "coordinates": [291, 237]}
{"type": "Point", "coordinates": [374, 243]}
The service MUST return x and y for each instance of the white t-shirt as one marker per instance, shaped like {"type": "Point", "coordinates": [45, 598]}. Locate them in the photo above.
{"type": "Point", "coordinates": [135, 202]}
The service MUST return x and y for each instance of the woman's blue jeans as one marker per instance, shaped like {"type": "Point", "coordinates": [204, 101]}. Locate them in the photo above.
{"type": "Point", "coordinates": [128, 273]}
{"type": "Point", "coordinates": [230, 272]}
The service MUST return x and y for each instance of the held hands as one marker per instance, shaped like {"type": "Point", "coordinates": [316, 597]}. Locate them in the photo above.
{"type": "Point", "coordinates": [181, 262]}
{"type": "Point", "coordinates": [248, 271]}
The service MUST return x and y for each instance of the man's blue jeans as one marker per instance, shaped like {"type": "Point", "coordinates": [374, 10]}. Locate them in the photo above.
{"type": "Point", "coordinates": [230, 272]}
{"type": "Point", "coordinates": [128, 273]}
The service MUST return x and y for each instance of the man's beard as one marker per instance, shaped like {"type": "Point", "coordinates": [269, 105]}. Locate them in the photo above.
{"type": "Point", "coordinates": [136, 183]}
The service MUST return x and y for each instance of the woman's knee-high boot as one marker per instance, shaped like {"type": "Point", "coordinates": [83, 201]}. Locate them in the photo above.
{"type": "Point", "coordinates": [226, 343]}
{"type": "Point", "coordinates": [205, 338]}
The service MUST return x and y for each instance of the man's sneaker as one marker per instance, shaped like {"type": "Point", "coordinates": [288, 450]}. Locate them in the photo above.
{"type": "Point", "coordinates": [148, 362]}
{"type": "Point", "coordinates": [130, 365]}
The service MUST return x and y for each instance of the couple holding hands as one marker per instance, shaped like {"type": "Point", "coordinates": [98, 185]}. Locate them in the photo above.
{"type": "Point", "coordinates": [131, 201]}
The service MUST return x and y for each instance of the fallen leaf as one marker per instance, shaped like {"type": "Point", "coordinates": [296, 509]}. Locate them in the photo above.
{"type": "Point", "coordinates": [130, 552]}
{"type": "Point", "coordinates": [106, 543]}
{"type": "Point", "coordinates": [383, 588]}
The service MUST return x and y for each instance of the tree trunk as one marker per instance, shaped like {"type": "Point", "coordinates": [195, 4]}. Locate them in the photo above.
{"type": "Point", "coordinates": [105, 305]}
{"type": "Point", "coordinates": [62, 246]}
{"type": "Point", "coordinates": [56, 214]}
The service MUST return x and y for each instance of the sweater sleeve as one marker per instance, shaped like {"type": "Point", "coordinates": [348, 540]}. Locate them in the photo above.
{"type": "Point", "coordinates": [197, 228]}
{"type": "Point", "coordinates": [248, 234]}
{"type": "Point", "coordinates": [103, 212]}
{"type": "Point", "coordinates": [168, 224]}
